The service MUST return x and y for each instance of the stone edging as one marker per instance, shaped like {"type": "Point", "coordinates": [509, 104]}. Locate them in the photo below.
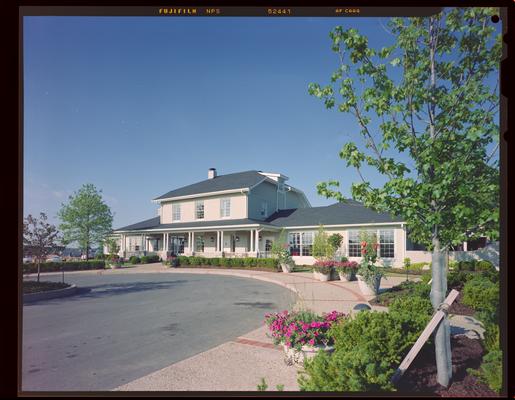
{"type": "Point", "coordinates": [49, 294]}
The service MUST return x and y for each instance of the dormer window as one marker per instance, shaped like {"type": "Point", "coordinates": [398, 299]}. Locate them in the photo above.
{"type": "Point", "coordinates": [199, 209]}
{"type": "Point", "coordinates": [225, 208]}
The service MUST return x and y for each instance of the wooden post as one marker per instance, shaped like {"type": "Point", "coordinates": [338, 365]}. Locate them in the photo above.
{"type": "Point", "coordinates": [431, 326]}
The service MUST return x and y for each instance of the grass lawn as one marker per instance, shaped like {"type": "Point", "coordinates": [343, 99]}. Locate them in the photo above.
{"type": "Point", "coordinates": [35, 287]}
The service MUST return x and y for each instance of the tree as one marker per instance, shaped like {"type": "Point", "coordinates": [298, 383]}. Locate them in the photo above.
{"type": "Point", "coordinates": [322, 248]}
{"type": "Point", "coordinates": [335, 241]}
{"type": "Point", "coordinates": [39, 238]}
{"type": "Point", "coordinates": [435, 104]}
{"type": "Point", "coordinates": [86, 219]}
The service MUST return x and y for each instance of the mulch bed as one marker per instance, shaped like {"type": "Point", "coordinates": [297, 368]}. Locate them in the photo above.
{"type": "Point", "coordinates": [36, 287]}
{"type": "Point", "coordinates": [420, 378]}
{"type": "Point", "coordinates": [459, 308]}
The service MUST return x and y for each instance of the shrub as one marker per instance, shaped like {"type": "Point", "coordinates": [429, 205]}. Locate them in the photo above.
{"type": "Point", "coordinates": [418, 266]}
{"type": "Point", "coordinates": [183, 260]}
{"type": "Point", "coordinates": [485, 265]}
{"type": "Point", "coordinates": [407, 263]}
{"type": "Point", "coordinates": [413, 313]}
{"type": "Point", "coordinates": [368, 349]}
{"type": "Point", "coordinates": [491, 339]}
{"type": "Point", "coordinates": [453, 265]}
{"type": "Point", "coordinates": [456, 279]}
{"type": "Point", "coordinates": [426, 277]}
{"type": "Point", "coordinates": [225, 262]}
{"type": "Point", "coordinates": [134, 260]}
{"type": "Point", "coordinates": [144, 260]}
{"type": "Point", "coordinates": [468, 265]}
{"type": "Point", "coordinates": [344, 259]}
{"type": "Point", "coordinates": [482, 295]}
{"type": "Point", "coordinates": [29, 268]}
{"type": "Point", "coordinates": [491, 369]}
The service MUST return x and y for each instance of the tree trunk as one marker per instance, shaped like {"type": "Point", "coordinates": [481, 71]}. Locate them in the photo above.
{"type": "Point", "coordinates": [443, 332]}
{"type": "Point", "coordinates": [39, 263]}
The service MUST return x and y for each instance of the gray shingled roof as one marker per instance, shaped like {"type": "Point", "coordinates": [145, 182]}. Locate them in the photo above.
{"type": "Point", "coordinates": [222, 182]}
{"type": "Point", "coordinates": [153, 223]}
{"type": "Point", "coordinates": [351, 212]}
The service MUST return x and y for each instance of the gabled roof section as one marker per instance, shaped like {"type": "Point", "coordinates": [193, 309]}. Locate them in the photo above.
{"type": "Point", "coordinates": [238, 180]}
{"type": "Point", "coordinates": [349, 213]}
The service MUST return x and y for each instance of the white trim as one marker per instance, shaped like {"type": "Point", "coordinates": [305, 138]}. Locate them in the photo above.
{"type": "Point", "coordinates": [192, 196]}
{"type": "Point", "coordinates": [342, 225]}
{"type": "Point", "coordinates": [202, 228]}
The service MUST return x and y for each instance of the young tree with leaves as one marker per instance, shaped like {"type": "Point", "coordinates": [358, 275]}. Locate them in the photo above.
{"type": "Point", "coordinates": [427, 109]}
{"type": "Point", "coordinates": [39, 238]}
{"type": "Point", "coordinates": [86, 219]}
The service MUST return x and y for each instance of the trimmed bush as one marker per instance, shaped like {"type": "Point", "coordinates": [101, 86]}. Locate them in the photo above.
{"type": "Point", "coordinates": [143, 260]}
{"type": "Point", "coordinates": [134, 260]}
{"type": "Point", "coordinates": [426, 277]}
{"type": "Point", "coordinates": [419, 266]}
{"type": "Point", "coordinates": [453, 265]}
{"type": "Point", "coordinates": [491, 369]}
{"type": "Point", "coordinates": [368, 349]}
{"type": "Point", "coordinates": [469, 265]}
{"type": "Point", "coordinates": [413, 313]}
{"type": "Point", "coordinates": [152, 258]}
{"type": "Point", "coordinates": [482, 295]}
{"type": "Point", "coordinates": [29, 268]}
{"type": "Point", "coordinates": [215, 261]}
{"type": "Point", "coordinates": [183, 260]}
{"type": "Point", "coordinates": [485, 265]}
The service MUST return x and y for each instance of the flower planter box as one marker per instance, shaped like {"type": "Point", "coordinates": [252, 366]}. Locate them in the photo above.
{"type": "Point", "coordinates": [287, 268]}
{"type": "Point", "coordinates": [347, 276]}
{"type": "Point", "coordinates": [322, 277]}
{"type": "Point", "coordinates": [334, 275]}
{"type": "Point", "coordinates": [293, 356]}
{"type": "Point", "coordinates": [366, 289]}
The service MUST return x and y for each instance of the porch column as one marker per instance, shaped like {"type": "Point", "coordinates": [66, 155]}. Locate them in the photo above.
{"type": "Point", "coordinates": [257, 242]}
{"type": "Point", "coordinates": [251, 240]}
{"type": "Point", "coordinates": [465, 246]}
{"type": "Point", "coordinates": [192, 242]}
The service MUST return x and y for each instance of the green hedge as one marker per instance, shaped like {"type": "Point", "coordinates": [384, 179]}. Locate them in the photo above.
{"type": "Point", "coordinates": [134, 260]}
{"type": "Point", "coordinates": [30, 268]}
{"type": "Point", "coordinates": [247, 262]}
{"type": "Point", "coordinates": [149, 259]}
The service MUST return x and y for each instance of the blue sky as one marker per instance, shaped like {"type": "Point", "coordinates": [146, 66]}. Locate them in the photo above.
{"type": "Point", "coordinates": [142, 105]}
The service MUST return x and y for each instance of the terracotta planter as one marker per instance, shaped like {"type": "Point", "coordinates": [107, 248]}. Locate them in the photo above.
{"type": "Point", "coordinates": [296, 357]}
{"type": "Point", "coordinates": [366, 289]}
{"type": "Point", "coordinates": [287, 268]}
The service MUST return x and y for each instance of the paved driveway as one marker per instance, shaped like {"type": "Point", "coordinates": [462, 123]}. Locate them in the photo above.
{"type": "Point", "coordinates": [124, 326]}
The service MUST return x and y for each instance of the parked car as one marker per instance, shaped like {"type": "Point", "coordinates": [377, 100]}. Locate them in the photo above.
{"type": "Point", "coordinates": [27, 259]}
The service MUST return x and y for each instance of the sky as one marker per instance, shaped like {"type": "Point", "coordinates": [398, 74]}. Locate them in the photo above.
{"type": "Point", "coordinates": [139, 106]}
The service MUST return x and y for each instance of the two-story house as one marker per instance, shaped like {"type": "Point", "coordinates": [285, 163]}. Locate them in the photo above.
{"type": "Point", "coordinates": [241, 214]}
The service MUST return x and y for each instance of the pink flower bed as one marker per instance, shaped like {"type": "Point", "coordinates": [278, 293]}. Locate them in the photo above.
{"type": "Point", "coordinates": [298, 329]}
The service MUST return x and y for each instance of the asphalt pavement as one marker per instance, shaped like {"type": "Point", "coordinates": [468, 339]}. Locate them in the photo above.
{"type": "Point", "coordinates": [121, 327]}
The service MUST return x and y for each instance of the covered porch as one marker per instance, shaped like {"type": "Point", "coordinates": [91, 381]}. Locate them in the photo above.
{"type": "Point", "coordinates": [237, 242]}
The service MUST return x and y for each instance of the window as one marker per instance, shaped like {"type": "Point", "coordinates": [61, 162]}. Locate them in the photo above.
{"type": "Point", "coordinates": [176, 212]}
{"type": "Point", "coordinates": [307, 243]}
{"type": "Point", "coordinates": [199, 244]}
{"type": "Point", "coordinates": [354, 244]}
{"type": "Point", "coordinates": [225, 207]}
{"type": "Point", "coordinates": [301, 243]}
{"type": "Point", "coordinates": [294, 241]}
{"type": "Point", "coordinates": [386, 243]}
{"type": "Point", "coordinates": [264, 209]}
{"type": "Point", "coordinates": [199, 209]}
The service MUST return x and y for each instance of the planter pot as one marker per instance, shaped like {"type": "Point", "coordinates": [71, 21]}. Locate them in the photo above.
{"type": "Point", "coordinates": [334, 275]}
{"type": "Point", "coordinates": [366, 289]}
{"type": "Point", "coordinates": [287, 268]}
{"type": "Point", "coordinates": [322, 277]}
{"type": "Point", "coordinates": [347, 276]}
{"type": "Point", "coordinates": [296, 357]}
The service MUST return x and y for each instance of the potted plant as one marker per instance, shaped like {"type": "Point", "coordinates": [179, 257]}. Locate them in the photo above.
{"type": "Point", "coordinates": [369, 275]}
{"type": "Point", "coordinates": [302, 333]}
{"type": "Point", "coordinates": [322, 270]}
{"type": "Point", "coordinates": [347, 270]}
{"type": "Point", "coordinates": [281, 251]}
{"type": "Point", "coordinates": [114, 261]}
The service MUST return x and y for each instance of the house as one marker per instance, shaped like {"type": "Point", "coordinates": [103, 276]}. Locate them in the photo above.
{"type": "Point", "coordinates": [242, 214]}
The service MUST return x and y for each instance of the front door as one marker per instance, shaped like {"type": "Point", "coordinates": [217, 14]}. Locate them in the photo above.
{"type": "Point", "coordinates": [177, 244]}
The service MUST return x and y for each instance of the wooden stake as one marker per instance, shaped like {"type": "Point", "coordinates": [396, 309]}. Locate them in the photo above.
{"type": "Point", "coordinates": [431, 326]}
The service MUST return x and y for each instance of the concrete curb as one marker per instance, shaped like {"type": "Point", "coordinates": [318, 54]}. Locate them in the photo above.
{"type": "Point", "coordinates": [50, 294]}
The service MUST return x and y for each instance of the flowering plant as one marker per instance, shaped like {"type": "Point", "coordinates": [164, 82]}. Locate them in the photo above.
{"type": "Point", "coordinates": [301, 328]}
{"type": "Point", "coordinates": [346, 266]}
{"type": "Point", "coordinates": [323, 267]}
{"type": "Point", "coordinates": [368, 270]}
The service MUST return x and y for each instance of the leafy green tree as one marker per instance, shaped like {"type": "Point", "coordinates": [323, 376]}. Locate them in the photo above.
{"type": "Point", "coordinates": [39, 238]}
{"type": "Point", "coordinates": [335, 241]}
{"type": "Point", "coordinates": [427, 109]}
{"type": "Point", "coordinates": [86, 219]}
{"type": "Point", "coordinates": [322, 249]}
